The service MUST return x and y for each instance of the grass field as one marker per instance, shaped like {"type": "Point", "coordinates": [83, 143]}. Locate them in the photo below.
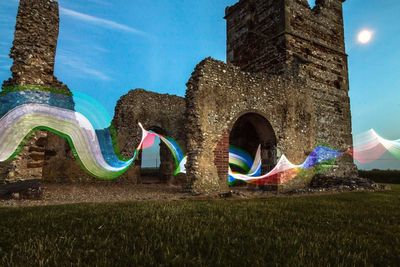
{"type": "Point", "coordinates": [350, 229]}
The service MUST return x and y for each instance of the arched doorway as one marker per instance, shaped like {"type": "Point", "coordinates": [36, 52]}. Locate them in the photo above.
{"type": "Point", "coordinates": [157, 163]}
{"type": "Point", "coordinates": [250, 131]}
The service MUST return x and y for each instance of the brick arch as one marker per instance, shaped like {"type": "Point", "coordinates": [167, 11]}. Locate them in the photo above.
{"type": "Point", "coordinates": [248, 130]}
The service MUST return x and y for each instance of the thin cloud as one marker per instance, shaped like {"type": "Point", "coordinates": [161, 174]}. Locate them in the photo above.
{"type": "Point", "coordinates": [81, 68]}
{"type": "Point", "coordinates": [99, 49]}
{"type": "Point", "coordinates": [96, 73]}
{"type": "Point", "coordinates": [99, 21]}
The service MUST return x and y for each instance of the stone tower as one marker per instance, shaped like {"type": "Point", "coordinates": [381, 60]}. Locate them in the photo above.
{"type": "Point", "coordinates": [272, 36]}
{"type": "Point", "coordinates": [34, 46]}
{"type": "Point", "coordinates": [290, 38]}
{"type": "Point", "coordinates": [33, 81]}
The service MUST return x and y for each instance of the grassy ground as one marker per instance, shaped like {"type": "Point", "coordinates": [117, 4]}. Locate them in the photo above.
{"type": "Point", "coordinates": [351, 229]}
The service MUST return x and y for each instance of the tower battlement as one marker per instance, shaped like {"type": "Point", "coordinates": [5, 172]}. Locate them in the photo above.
{"type": "Point", "coordinates": [270, 36]}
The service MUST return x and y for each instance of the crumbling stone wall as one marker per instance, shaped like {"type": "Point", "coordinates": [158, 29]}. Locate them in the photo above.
{"type": "Point", "coordinates": [60, 164]}
{"type": "Point", "coordinates": [162, 113]}
{"type": "Point", "coordinates": [29, 163]}
{"type": "Point", "coordinates": [217, 95]}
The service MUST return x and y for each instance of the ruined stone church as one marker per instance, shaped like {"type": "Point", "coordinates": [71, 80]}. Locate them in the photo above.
{"type": "Point", "coordinates": [284, 86]}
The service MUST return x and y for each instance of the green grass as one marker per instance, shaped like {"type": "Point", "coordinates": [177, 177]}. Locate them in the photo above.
{"type": "Point", "coordinates": [350, 229]}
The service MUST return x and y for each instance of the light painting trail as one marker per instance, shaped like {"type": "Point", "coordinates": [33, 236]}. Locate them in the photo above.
{"type": "Point", "coordinates": [285, 171]}
{"type": "Point", "coordinates": [370, 146]}
{"type": "Point", "coordinates": [95, 151]}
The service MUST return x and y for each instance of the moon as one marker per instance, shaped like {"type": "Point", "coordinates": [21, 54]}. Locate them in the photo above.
{"type": "Point", "coordinates": [365, 36]}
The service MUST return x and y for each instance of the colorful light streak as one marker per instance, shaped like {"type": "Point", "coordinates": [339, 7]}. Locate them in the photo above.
{"type": "Point", "coordinates": [285, 170]}
{"type": "Point", "coordinates": [370, 146]}
{"type": "Point", "coordinates": [95, 151]}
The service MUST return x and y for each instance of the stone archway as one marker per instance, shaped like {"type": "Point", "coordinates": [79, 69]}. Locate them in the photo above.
{"type": "Point", "coordinates": [163, 172]}
{"type": "Point", "coordinates": [252, 130]}
{"type": "Point", "coordinates": [161, 113]}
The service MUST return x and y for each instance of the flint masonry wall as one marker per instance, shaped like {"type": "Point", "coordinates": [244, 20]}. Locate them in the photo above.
{"type": "Point", "coordinates": [162, 113]}
{"type": "Point", "coordinates": [317, 37]}
{"type": "Point", "coordinates": [255, 40]}
{"type": "Point", "coordinates": [217, 95]}
{"type": "Point", "coordinates": [35, 42]}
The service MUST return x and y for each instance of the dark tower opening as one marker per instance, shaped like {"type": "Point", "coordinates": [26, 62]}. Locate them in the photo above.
{"type": "Point", "coordinates": [249, 132]}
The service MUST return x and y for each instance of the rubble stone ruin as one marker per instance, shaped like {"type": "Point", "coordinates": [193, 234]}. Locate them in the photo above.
{"type": "Point", "coordinates": [284, 87]}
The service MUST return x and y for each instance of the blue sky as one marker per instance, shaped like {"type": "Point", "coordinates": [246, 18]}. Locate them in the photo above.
{"type": "Point", "coordinates": [108, 47]}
